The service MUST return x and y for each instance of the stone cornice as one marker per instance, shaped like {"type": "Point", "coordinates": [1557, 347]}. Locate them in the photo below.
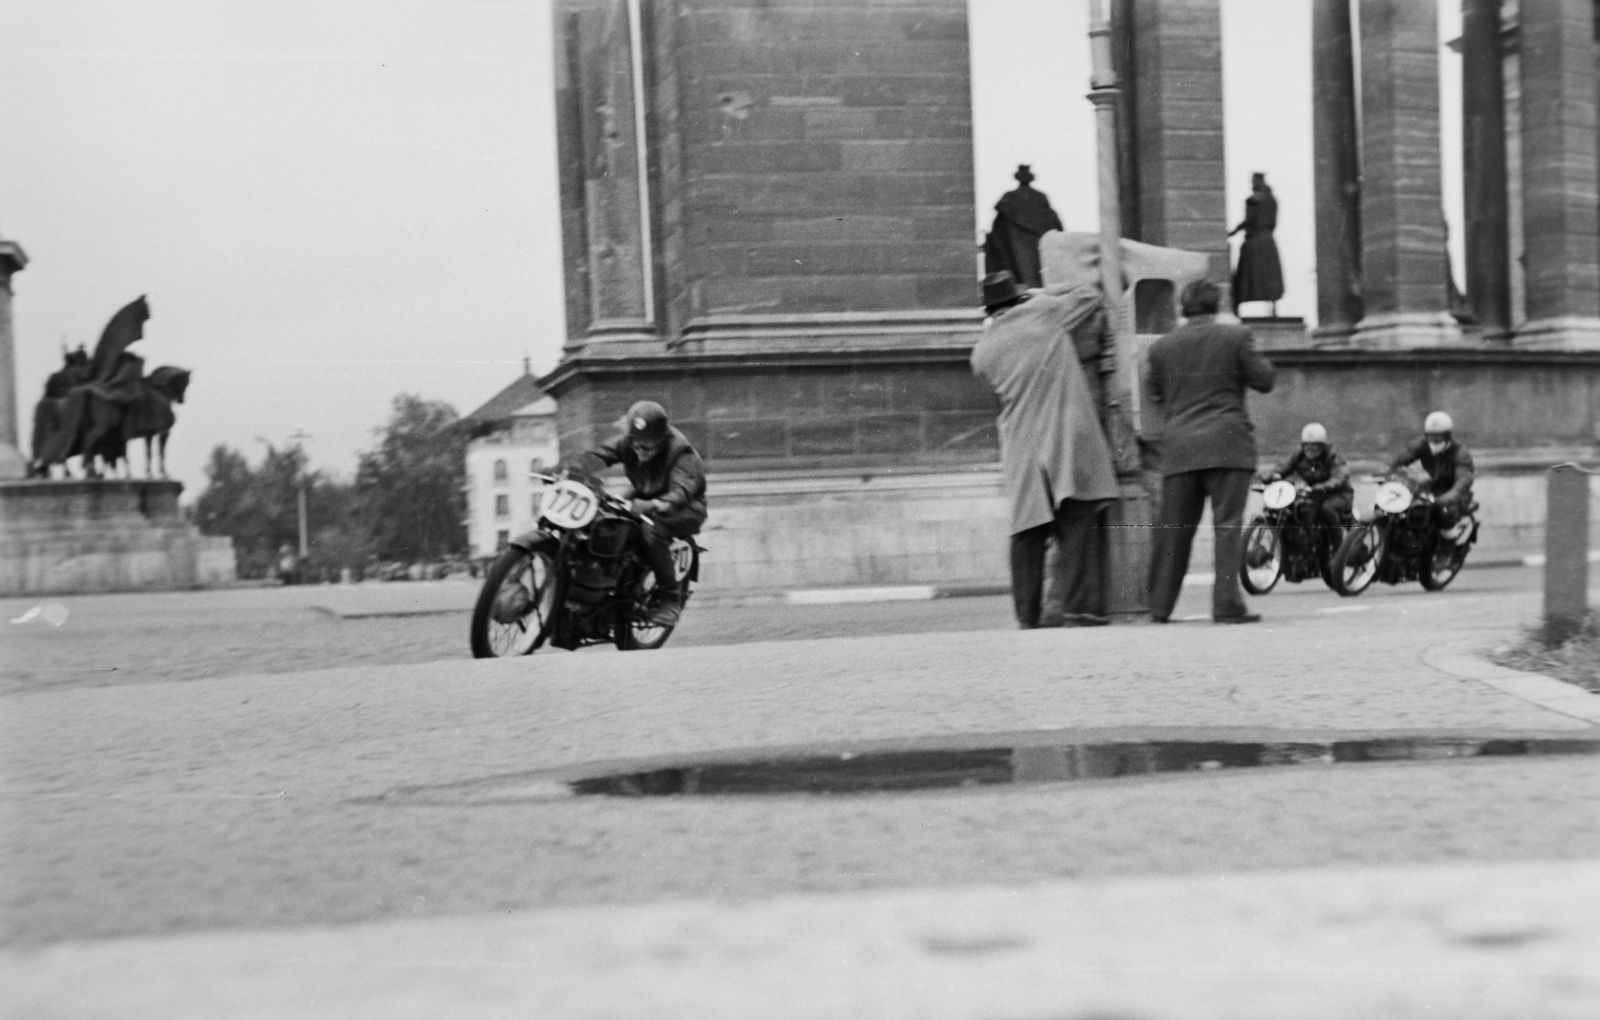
{"type": "Point", "coordinates": [593, 361]}
{"type": "Point", "coordinates": [12, 258]}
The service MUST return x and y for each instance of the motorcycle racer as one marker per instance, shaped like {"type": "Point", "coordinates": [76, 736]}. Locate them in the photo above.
{"type": "Point", "coordinates": [1318, 470]}
{"type": "Point", "coordinates": [668, 482]}
{"type": "Point", "coordinates": [1449, 468]}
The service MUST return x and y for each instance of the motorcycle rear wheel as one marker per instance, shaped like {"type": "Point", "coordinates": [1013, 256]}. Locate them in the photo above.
{"type": "Point", "coordinates": [1356, 563]}
{"type": "Point", "coordinates": [1264, 540]}
{"type": "Point", "coordinates": [518, 597]}
{"type": "Point", "coordinates": [634, 632]}
{"type": "Point", "coordinates": [1442, 564]}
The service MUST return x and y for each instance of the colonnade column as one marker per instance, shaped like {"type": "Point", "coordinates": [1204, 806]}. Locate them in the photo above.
{"type": "Point", "coordinates": [1484, 167]}
{"type": "Point", "coordinates": [1337, 169]}
{"type": "Point", "coordinates": [12, 463]}
{"type": "Point", "coordinates": [1559, 174]}
{"type": "Point", "coordinates": [1402, 215]}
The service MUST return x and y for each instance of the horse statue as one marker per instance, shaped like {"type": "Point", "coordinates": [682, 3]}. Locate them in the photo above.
{"type": "Point", "coordinates": [94, 406]}
{"type": "Point", "coordinates": [96, 422]}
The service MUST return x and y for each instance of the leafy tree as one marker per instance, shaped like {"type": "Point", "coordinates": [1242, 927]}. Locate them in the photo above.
{"type": "Point", "coordinates": [410, 489]}
{"type": "Point", "coordinates": [258, 507]}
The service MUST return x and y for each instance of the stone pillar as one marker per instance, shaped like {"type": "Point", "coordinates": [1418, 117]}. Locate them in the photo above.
{"type": "Point", "coordinates": [799, 264]}
{"type": "Point", "coordinates": [1484, 167]}
{"type": "Point", "coordinates": [1402, 213]}
{"type": "Point", "coordinates": [607, 239]}
{"type": "Point", "coordinates": [1336, 153]}
{"type": "Point", "coordinates": [1176, 114]}
{"type": "Point", "coordinates": [1559, 181]}
{"type": "Point", "coordinates": [12, 463]}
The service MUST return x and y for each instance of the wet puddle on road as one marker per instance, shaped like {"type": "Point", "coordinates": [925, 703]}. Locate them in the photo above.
{"type": "Point", "coordinates": [888, 769]}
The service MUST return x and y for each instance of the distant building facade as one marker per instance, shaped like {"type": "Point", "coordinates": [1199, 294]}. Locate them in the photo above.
{"type": "Point", "coordinates": [512, 435]}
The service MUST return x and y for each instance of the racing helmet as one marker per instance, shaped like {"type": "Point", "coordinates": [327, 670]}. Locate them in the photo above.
{"type": "Point", "coordinates": [647, 420]}
{"type": "Point", "coordinates": [1314, 433]}
{"type": "Point", "coordinates": [1438, 424]}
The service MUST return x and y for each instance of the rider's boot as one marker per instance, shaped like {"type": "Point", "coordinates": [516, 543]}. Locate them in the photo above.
{"type": "Point", "coordinates": [665, 608]}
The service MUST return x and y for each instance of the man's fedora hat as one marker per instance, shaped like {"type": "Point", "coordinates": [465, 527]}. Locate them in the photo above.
{"type": "Point", "coordinates": [1001, 289]}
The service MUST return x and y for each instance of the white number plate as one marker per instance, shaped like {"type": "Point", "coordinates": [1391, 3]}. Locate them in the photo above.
{"type": "Point", "coordinates": [1393, 497]}
{"type": "Point", "coordinates": [682, 557]}
{"type": "Point", "coordinates": [569, 504]}
{"type": "Point", "coordinates": [1278, 495]}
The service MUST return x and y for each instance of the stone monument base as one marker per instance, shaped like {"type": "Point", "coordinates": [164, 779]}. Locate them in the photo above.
{"type": "Point", "coordinates": [104, 535]}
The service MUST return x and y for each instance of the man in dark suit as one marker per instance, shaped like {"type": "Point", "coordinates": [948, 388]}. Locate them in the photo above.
{"type": "Point", "coordinates": [1198, 373]}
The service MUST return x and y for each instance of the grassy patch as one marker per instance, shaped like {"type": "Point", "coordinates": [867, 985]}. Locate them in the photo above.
{"type": "Point", "coordinates": [1575, 660]}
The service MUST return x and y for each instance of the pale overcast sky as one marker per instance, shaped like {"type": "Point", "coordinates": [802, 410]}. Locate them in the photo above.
{"type": "Point", "coordinates": [329, 202]}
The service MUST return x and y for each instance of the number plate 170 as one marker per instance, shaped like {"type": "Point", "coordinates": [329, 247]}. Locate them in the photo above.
{"type": "Point", "coordinates": [569, 504]}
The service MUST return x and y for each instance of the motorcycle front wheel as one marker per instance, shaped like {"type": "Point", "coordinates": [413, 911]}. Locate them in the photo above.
{"type": "Point", "coordinates": [515, 604]}
{"type": "Point", "coordinates": [1441, 566]}
{"type": "Point", "coordinates": [1263, 558]}
{"type": "Point", "coordinates": [1356, 562]}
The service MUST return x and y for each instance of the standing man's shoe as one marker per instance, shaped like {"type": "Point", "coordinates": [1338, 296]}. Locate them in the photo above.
{"type": "Point", "coordinates": [1241, 618]}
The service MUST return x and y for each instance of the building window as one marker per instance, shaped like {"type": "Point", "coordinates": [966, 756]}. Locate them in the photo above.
{"type": "Point", "coordinates": [502, 506]}
{"type": "Point", "coordinates": [501, 540]}
{"type": "Point", "coordinates": [537, 466]}
{"type": "Point", "coordinates": [499, 470]}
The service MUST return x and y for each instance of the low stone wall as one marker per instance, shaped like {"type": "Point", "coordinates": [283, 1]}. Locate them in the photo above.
{"type": "Point", "coordinates": [784, 530]}
{"type": "Point", "coordinates": [64, 537]}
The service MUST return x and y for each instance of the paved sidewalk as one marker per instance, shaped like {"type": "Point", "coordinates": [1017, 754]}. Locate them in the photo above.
{"type": "Point", "coordinates": [1470, 942]}
{"type": "Point", "coordinates": [183, 849]}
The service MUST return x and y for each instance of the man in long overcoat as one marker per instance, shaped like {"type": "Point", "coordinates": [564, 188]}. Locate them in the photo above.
{"type": "Point", "coordinates": [1035, 354]}
{"type": "Point", "coordinates": [1199, 373]}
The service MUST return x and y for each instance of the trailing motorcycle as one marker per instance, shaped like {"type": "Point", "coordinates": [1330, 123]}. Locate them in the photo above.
{"type": "Point", "coordinates": [1403, 543]}
{"type": "Point", "coordinates": [576, 579]}
{"type": "Point", "coordinates": [1286, 539]}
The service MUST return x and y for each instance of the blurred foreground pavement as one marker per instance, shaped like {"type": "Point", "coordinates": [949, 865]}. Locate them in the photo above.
{"type": "Point", "coordinates": [212, 848]}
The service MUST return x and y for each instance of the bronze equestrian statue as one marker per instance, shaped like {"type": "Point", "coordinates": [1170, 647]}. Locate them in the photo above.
{"type": "Point", "coordinates": [94, 406]}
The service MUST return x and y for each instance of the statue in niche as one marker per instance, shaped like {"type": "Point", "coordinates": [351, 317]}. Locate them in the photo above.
{"type": "Point", "coordinates": [1259, 274]}
{"type": "Point", "coordinates": [1021, 217]}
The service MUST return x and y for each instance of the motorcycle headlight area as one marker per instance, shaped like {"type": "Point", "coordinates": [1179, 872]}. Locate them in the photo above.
{"type": "Point", "coordinates": [1278, 495]}
{"type": "Point", "coordinates": [1393, 497]}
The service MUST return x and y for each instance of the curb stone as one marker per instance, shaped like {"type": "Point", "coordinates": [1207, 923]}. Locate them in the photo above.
{"type": "Point", "coordinates": [1546, 692]}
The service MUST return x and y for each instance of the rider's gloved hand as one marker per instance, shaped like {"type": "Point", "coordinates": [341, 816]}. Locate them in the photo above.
{"type": "Point", "coordinates": [642, 506]}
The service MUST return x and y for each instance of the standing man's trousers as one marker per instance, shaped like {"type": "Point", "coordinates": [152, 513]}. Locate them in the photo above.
{"type": "Point", "coordinates": [1183, 499]}
{"type": "Point", "coordinates": [1077, 563]}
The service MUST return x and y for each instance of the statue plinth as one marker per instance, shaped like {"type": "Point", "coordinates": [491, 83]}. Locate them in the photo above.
{"type": "Point", "coordinates": [103, 535]}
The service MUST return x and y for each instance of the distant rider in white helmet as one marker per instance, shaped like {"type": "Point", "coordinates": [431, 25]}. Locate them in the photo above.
{"type": "Point", "coordinates": [1321, 473]}
{"type": "Point", "coordinates": [1449, 468]}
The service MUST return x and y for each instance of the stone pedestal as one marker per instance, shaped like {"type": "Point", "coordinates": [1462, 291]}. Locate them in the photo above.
{"type": "Point", "coordinates": [101, 536]}
{"type": "Point", "coordinates": [768, 228]}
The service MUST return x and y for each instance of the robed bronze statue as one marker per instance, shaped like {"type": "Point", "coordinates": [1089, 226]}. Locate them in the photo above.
{"type": "Point", "coordinates": [95, 405]}
{"type": "Point", "coordinates": [1021, 217]}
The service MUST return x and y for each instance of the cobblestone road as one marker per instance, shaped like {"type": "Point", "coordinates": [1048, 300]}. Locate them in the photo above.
{"type": "Point", "coordinates": [228, 801]}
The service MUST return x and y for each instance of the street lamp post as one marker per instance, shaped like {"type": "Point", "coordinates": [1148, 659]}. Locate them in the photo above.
{"type": "Point", "coordinates": [1128, 545]}
{"type": "Point", "coordinates": [300, 436]}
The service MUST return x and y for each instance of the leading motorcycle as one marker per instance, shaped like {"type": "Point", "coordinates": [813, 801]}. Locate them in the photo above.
{"type": "Point", "coordinates": [576, 579]}
{"type": "Point", "coordinates": [1403, 543]}
{"type": "Point", "coordinates": [1286, 539]}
